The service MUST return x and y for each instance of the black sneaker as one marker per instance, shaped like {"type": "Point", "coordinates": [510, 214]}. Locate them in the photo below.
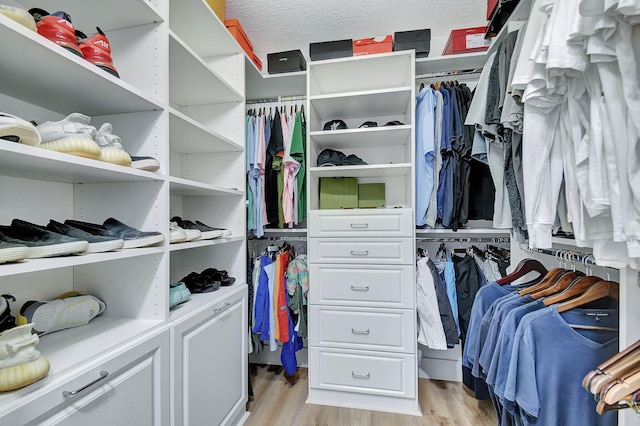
{"type": "Point", "coordinates": [208, 232]}
{"type": "Point", "coordinates": [97, 243]}
{"type": "Point", "coordinates": [225, 232]}
{"type": "Point", "coordinates": [113, 228]}
{"type": "Point", "coordinates": [7, 320]}
{"type": "Point", "coordinates": [352, 160]}
{"type": "Point", "coordinates": [41, 241]}
{"type": "Point", "coordinates": [200, 283]}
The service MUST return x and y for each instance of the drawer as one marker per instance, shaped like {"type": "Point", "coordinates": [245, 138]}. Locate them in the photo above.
{"type": "Point", "coordinates": [355, 223]}
{"type": "Point", "coordinates": [363, 372]}
{"type": "Point", "coordinates": [384, 286]}
{"type": "Point", "coordinates": [371, 329]}
{"type": "Point", "coordinates": [393, 251]}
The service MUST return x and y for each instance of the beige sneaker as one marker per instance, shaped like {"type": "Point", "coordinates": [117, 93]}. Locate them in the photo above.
{"type": "Point", "coordinates": [72, 135]}
{"type": "Point", "coordinates": [19, 15]}
{"type": "Point", "coordinates": [111, 147]}
{"type": "Point", "coordinates": [20, 362]}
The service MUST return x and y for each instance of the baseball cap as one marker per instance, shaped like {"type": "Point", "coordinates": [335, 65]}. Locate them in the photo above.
{"type": "Point", "coordinates": [335, 125]}
{"type": "Point", "coordinates": [394, 123]}
{"type": "Point", "coordinates": [330, 157]}
{"type": "Point", "coordinates": [369, 124]}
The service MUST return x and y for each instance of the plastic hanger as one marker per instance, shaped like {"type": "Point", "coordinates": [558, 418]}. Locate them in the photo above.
{"type": "Point", "coordinates": [421, 87]}
{"type": "Point", "coordinates": [523, 268]}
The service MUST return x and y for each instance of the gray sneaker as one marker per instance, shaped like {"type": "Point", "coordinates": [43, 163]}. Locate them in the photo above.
{"type": "Point", "coordinates": [72, 135]}
{"type": "Point", "coordinates": [40, 241]}
{"type": "Point", "coordinates": [97, 243]}
{"type": "Point", "coordinates": [111, 147]}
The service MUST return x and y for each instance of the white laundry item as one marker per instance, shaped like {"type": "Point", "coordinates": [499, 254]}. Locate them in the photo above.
{"type": "Point", "coordinates": [562, 52]}
{"type": "Point", "coordinates": [430, 328]}
{"type": "Point", "coordinates": [524, 67]}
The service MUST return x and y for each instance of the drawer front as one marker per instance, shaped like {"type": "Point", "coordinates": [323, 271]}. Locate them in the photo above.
{"type": "Point", "coordinates": [379, 223]}
{"type": "Point", "coordinates": [383, 286]}
{"type": "Point", "coordinates": [362, 372]}
{"type": "Point", "coordinates": [389, 251]}
{"type": "Point", "coordinates": [371, 329]}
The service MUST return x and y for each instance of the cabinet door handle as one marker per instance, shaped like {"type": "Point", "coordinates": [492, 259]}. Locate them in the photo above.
{"type": "Point", "coordinates": [359, 252]}
{"type": "Point", "coordinates": [359, 225]}
{"type": "Point", "coordinates": [360, 288]}
{"type": "Point", "coordinates": [361, 376]}
{"type": "Point", "coordinates": [67, 394]}
{"type": "Point", "coordinates": [360, 331]}
{"type": "Point", "coordinates": [221, 308]}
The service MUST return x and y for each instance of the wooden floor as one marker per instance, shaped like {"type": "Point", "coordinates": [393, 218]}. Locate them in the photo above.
{"type": "Point", "coordinates": [276, 402]}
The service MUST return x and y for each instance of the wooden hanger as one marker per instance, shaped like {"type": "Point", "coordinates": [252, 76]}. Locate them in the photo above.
{"type": "Point", "coordinates": [560, 284]}
{"type": "Point", "coordinates": [609, 363]}
{"type": "Point", "coordinates": [619, 391]}
{"type": "Point", "coordinates": [597, 291]}
{"type": "Point", "coordinates": [629, 401]}
{"type": "Point", "coordinates": [523, 268]}
{"type": "Point", "coordinates": [622, 369]}
{"type": "Point", "coordinates": [576, 288]}
{"type": "Point", "coordinates": [547, 280]}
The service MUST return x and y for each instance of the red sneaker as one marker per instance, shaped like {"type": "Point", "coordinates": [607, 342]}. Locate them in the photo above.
{"type": "Point", "coordinates": [96, 49]}
{"type": "Point", "coordinates": [58, 28]}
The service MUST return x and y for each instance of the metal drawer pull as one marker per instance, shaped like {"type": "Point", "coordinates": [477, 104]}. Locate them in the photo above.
{"type": "Point", "coordinates": [359, 252]}
{"type": "Point", "coordinates": [67, 394]}
{"type": "Point", "coordinates": [360, 331]}
{"type": "Point", "coordinates": [360, 288]}
{"type": "Point", "coordinates": [359, 225]}
{"type": "Point", "coordinates": [360, 376]}
{"type": "Point", "coordinates": [221, 308]}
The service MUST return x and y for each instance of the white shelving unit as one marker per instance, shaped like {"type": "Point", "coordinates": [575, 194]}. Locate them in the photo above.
{"type": "Point", "coordinates": [180, 99]}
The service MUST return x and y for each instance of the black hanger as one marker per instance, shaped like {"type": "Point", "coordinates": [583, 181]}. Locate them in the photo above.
{"type": "Point", "coordinates": [421, 86]}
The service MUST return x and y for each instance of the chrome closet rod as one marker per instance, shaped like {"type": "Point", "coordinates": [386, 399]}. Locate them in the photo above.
{"type": "Point", "coordinates": [495, 240]}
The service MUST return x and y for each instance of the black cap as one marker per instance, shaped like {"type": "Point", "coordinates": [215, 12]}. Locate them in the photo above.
{"type": "Point", "coordinates": [335, 125]}
{"type": "Point", "coordinates": [394, 123]}
{"type": "Point", "coordinates": [330, 157]}
{"type": "Point", "coordinates": [369, 124]}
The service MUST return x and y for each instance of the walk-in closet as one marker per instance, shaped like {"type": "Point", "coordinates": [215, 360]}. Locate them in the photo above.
{"type": "Point", "coordinates": [220, 212]}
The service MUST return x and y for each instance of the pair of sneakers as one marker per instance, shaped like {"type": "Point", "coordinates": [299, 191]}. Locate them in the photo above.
{"type": "Point", "coordinates": [74, 135]}
{"type": "Point", "coordinates": [58, 28]}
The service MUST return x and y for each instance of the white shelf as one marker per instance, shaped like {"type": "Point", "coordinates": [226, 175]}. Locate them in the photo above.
{"type": "Point", "coordinates": [186, 187]}
{"type": "Point", "coordinates": [374, 170]}
{"type": "Point", "coordinates": [373, 137]}
{"type": "Point", "coordinates": [46, 264]}
{"type": "Point", "coordinates": [30, 162]}
{"type": "Point", "coordinates": [69, 83]}
{"type": "Point", "coordinates": [119, 14]}
{"type": "Point", "coordinates": [204, 243]}
{"type": "Point", "coordinates": [196, 24]}
{"type": "Point", "coordinates": [365, 104]}
{"type": "Point", "coordinates": [192, 81]}
{"type": "Point", "coordinates": [203, 301]}
{"type": "Point", "coordinates": [520, 13]}
{"type": "Point", "coordinates": [189, 136]}
{"type": "Point", "coordinates": [562, 241]}
{"type": "Point", "coordinates": [361, 73]}
{"type": "Point", "coordinates": [270, 86]}
{"type": "Point", "coordinates": [450, 63]}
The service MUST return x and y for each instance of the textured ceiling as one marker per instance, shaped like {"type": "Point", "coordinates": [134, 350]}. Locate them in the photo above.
{"type": "Point", "coordinates": [276, 26]}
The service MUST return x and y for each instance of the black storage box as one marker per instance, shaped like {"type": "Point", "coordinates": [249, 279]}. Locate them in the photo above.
{"type": "Point", "coordinates": [331, 49]}
{"type": "Point", "coordinates": [289, 61]}
{"type": "Point", "coordinates": [420, 40]}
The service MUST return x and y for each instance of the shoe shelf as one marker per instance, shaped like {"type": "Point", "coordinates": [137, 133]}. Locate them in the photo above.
{"type": "Point", "coordinates": [450, 63]}
{"type": "Point", "coordinates": [189, 136]}
{"type": "Point", "coordinates": [203, 301]}
{"type": "Point", "coordinates": [371, 170]}
{"type": "Point", "coordinates": [29, 162]}
{"type": "Point", "coordinates": [192, 80]}
{"type": "Point", "coordinates": [51, 263]}
{"type": "Point", "coordinates": [119, 14]}
{"type": "Point", "coordinates": [375, 137]}
{"type": "Point", "coordinates": [70, 84]}
{"type": "Point", "coordinates": [362, 104]}
{"type": "Point", "coordinates": [204, 243]}
{"type": "Point", "coordinates": [186, 187]}
{"type": "Point", "coordinates": [267, 86]}
{"type": "Point", "coordinates": [196, 24]}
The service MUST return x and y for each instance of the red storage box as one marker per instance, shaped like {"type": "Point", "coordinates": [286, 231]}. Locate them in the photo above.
{"type": "Point", "coordinates": [369, 46]}
{"type": "Point", "coordinates": [492, 6]}
{"type": "Point", "coordinates": [234, 27]}
{"type": "Point", "coordinates": [466, 40]}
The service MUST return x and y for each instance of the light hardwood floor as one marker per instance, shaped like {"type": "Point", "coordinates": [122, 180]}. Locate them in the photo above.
{"type": "Point", "coordinates": [278, 403]}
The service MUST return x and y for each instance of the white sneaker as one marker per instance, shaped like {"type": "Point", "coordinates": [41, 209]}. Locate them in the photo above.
{"type": "Point", "coordinates": [15, 129]}
{"type": "Point", "coordinates": [19, 15]}
{"type": "Point", "coordinates": [176, 234]}
{"type": "Point", "coordinates": [20, 362]}
{"type": "Point", "coordinates": [72, 135]}
{"type": "Point", "coordinates": [145, 163]}
{"type": "Point", "coordinates": [111, 147]}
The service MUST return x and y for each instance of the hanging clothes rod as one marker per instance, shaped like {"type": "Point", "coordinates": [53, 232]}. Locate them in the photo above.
{"type": "Point", "coordinates": [278, 238]}
{"type": "Point", "coordinates": [494, 240]}
{"type": "Point", "coordinates": [568, 255]}
{"type": "Point", "coordinates": [278, 99]}
{"type": "Point", "coordinates": [434, 75]}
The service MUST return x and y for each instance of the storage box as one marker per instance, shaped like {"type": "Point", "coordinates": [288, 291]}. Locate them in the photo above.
{"type": "Point", "coordinates": [492, 6]}
{"type": "Point", "coordinates": [331, 49]}
{"type": "Point", "coordinates": [236, 30]}
{"type": "Point", "coordinates": [466, 40]}
{"type": "Point", "coordinates": [338, 193]}
{"type": "Point", "coordinates": [289, 61]}
{"type": "Point", "coordinates": [370, 46]}
{"type": "Point", "coordinates": [371, 195]}
{"type": "Point", "coordinates": [218, 7]}
{"type": "Point", "coordinates": [420, 40]}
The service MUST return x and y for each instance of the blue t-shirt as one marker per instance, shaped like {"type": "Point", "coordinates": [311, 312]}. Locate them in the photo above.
{"type": "Point", "coordinates": [549, 360]}
{"type": "Point", "coordinates": [425, 151]}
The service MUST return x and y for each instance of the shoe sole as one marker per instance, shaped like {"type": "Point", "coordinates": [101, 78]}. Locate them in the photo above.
{"type": "Point", "coordinates": [21, 375]}
{"type": "Point", "coordinates": [105, 246]}
{"type": "Point", "coordinates": [13, 254]}
{"type": "Point", "coordinates": [193, 235]}
{"type": "Point", "coordinates": [143, 242]}
{"type": "Point", "coordinates": [115, 156]}
{"type": "Point", "coordinates": [177, 238]}
{"type": "Point", "coordinates": [149, 165]}
{"type": "Point", "coordinates": [110, 70]}
{"type": "Point", "coordinates": [209, 235]}
{"type": "Point", "coordinates": [58, 249]}
{"type": "Point", "coordinates": [82, 147]}
{"type": "Point", "coordinates": [24, 132]}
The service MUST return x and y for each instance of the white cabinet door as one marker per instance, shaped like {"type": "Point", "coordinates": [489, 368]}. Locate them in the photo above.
{"type": "Point", "coordinates": [210, 364]}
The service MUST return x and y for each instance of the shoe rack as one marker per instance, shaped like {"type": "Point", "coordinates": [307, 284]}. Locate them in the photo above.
{"type": "Point", "coordinates": [180, 99]}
